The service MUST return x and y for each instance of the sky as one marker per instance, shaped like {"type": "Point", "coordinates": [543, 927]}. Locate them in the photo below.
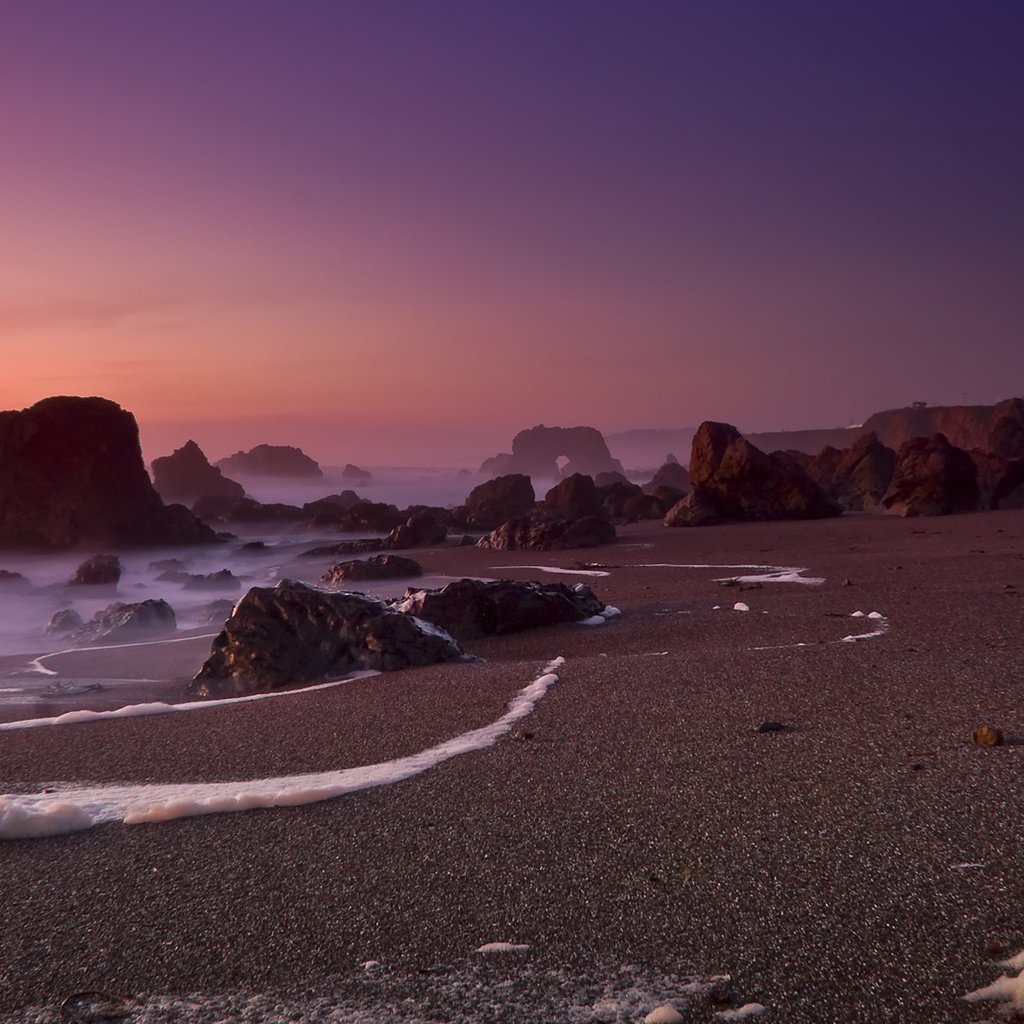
{"type": "Point", "coordinates": [399, 232]}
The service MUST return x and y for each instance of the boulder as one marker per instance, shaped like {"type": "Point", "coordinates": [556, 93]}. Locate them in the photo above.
{"type": "Point", "coordinates": [67, 620]}
{"type": "Point", "coordinates": [98, 571]}
{"type": "Point", "coordinates": [71, 474]}
{"type": "Point", "coordinates": [245, 510]}
{"type": "Point", "coordinates": [607, 479]}
{"type": "Point", "coordinates": [495, 501]}
{"type": "Point", "coordinates": [418, 531]}
{"type": "Point", "coordinates": [375, 516]}
{"type": "Point", "coordinates": [186, 475]}
{"type": "Point", "coordinates": [294, 633]}
{"type": "Point", "coordinates": [351, 472]}
{"type": "Point", "coordinates": [1006, 435]}
{"type": "Point", "coordinates": [856, 478]}
{"type": "Point", "coordinates": [473, 608]}
{"type": "Point", "coordinates": [932, 478]}
{"type": "Point", "coordinates": [575, 496]}
{"type": "Point", "coordinates": [380, 567]}
{"type": "Point", "coordinates": [10, 580]}
{"type": "Point", "coordinates": [331, 509]}
{"type": "Point", "coordinates": [535, 453]}
{"type": "Point", "coordinates": [547, 532]}
{"type": "Point", "coordinates": [128, 622]}
{"type": "Point", "coordinates": [623, 502]}
{"type": "Point", "coordinates": [734, 481]}
{"type": "Point", "coordinates": [1000, 481]}
{"type": "Point", "coordinates": [345, 547]}
{"type": "Point", "coordinates": [671, 474]}
{"type": "Point", "coordinates": [223, 580]}
{"type": "Point", "coordinates": [272, 460]}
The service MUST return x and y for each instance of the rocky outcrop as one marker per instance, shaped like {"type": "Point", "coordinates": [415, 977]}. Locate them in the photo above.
{"type": "Point", "coordinates": [330, 509]}
{"type": "Point", "coordinates": [418, 531]}
{"type": "Point", "coordinates": [225, 579]}
{"type": "Point", "coordinates": [546, 532]}
{"type": "Point", "coordinates": [98, 571]}
{"type": "Point", "coordinates": [473, 608]}
{"type": "Point", "coordinates": [495, 501]}
{"type": "Point", "coordinates": [670, 474]}
{"type": "Point", "coordinates": [932, 478]}
{"type": "Point", "coordinates": [856, 478]}
{"type": "Point", "coordinates": [623, 502]}
{"type": "Point", "coordinates": [1000, 481]}
{"type": "Point", "coordinates": [246, 510]}
{"type": "Point", "coordinates": [272, 460]}
{"type": "Point", "coordinates": [186, 475]}
{"type": "Point", "coordinates": [380, 567]}
{"type": "Point", "coordinates": [963, 426]}
{"type": "Point", "coordinates": [128, 622]}
{"type": "Point", "coordinates": [10, 580]}
{"type": "Point", "coordinates": [356, 474]}
{"type": "Point", "coordinates": [1006, 434]}
{"type": "Point", "coordinates": [295, 633]}
{"type": "Point", "coordinates": [734, 481]}
{"type": "Point", "coordinates": [374, 516]}
{"type": "Point", "coordinates": [535, 453]}
{"type": "Point", "coordinates": [71, 474]}
{"type": "Point", "coordinates": [574, 496]}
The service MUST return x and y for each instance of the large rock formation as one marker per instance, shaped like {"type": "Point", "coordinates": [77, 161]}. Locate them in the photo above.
{"type": "Point", "coordinates": [186, 475]}
{"type": "Point", "coordinates": [547, 532]}
{"type": "Point", "coordinates": [669, 474]}
{"type": "Point", "coordinates": [71, 474]}
{"type": "Point", "coordinates": [535, 453]}
{"type": "Point", "coordinates": [732, 480]}
{"type": "Point", "coordinates": [575, 496]}
{"type": "Point", "coordinates": [932, 478]}
{"type": "Point", "coordinates": [272, 460]}
{"type": "Point", "coordinates": [856, 478]}
{"type": "Point", "coordinates": [295, 633]}
{"type": "Point", "coordinates": [964, 426]}
{"type": "Point", "coordinates": [495, 501]}
{"type": "Point", "coordinates": [1006, 434]}
{"type": "Point", "coordinates": [143, 620]}
{"type": "Point", "coordinates": [473, 608]}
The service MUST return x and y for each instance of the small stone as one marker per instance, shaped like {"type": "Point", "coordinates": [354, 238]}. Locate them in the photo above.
{"type": "Point", "coordinates": [987, 736]}
{"type": "Point", "coordinates": [996, 949]}
{"type": "Point", "coordinates": [771, 727]}
{"type": "Point", "coordinates": [664, 1014]}
{"type": "Point", "coordinates": [847, 583]}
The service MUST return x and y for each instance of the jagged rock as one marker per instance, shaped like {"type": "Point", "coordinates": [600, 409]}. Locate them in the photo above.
{"type": "Point", "coordinates": [1006, 435]}
{"type": "Point", "coordinates": [71, 474]}
{"type": "Point", "coordinates": [575, 496]}
{"type": "Point", "coordinates": [734, 481]}
{"type": "Point", "coordinates": [67, 620]}
{"type": "Point", "coordinates": [272, 460]}
{"type": "Point", "coordinates": [623, 502]}
{"type": "Point", "coordinates": [345, 547]}
{"type": "Point", "coordinates": [377, 516]}
{"type": "Point", "coordinates": [603, 480]}
{"type": "Point", "coordinates": [331, 509]}
{"type": "Point", "coordinates": [351, 472]}
{"type": "Point", "coordinates": [418, 531]}
{"type": "Point", "coordinates": [670, 474]}
{"type": "Point", "coordinates": [932, 478]}
{"type": "Point", "coordinates": [187, 475]}
{"type": "Point", "coordinates": [121, 621]}
{"type": "Point", "coordinates": [493, 502]}
{"type": "Point", "coordinates": [223, 580]}
{"type": "Point", "coordinates": [10, 580]}
{"type": "Point", "coordinates": [98, 571]}
{"type": "Point", "coordinates": [546, 532]}
{"type": "Point", "coordinates": [472, 608]}
{"type": "Point", "coordinates": [245, 510]}
{"type": "Point", "coordinates": [380, 567]}
{"type": "Point", "coordinates": [535, 453]}
{"type": "Point", "coordinates": [1000, 481]}
{"type": "Point", "coordinates": [295, 633]}
{"type": "Point", "coordinates": [856, 478]}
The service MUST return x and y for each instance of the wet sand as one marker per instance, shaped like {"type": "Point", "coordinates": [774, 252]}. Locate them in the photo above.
{"type": "Point", "coordinates": [645, 821]}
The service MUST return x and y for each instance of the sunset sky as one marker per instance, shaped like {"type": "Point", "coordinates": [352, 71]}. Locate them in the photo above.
{"type": "Point", "coordinates": [401, 231]}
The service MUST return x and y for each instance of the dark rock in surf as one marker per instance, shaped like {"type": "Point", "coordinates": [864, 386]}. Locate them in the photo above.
{"type": "Point", "coordinates": [418, 531]}
{"type": "Point", "coordinates": [98, 571]}
{"type": "Point", "coordinates": [279, 460]}
{"type": "Point", "coordinates": [13, 580]}
{"type": "Point", "coordinates": [127, 622]}
{"type": "Point", "coordinates": [575, 496]}
{"type": "Point", "coordinates": [67, 620]}
{"type": "Point", "coordinates": [547, 532]}
{"type": "Point", "coordinates": [223, 580]}
{"type": "Point", "coordinates": [354, 473]}
{"type": "Point", "coordinates": [186, 475]}
{"type": "Point", "coordinates": [295, 633]}
{"type": "Point", "coordinates": [381, 567]}
{"type": "Point", "coordinates": [495, 501]}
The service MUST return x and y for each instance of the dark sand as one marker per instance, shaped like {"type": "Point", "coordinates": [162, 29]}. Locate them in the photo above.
{"type": "Point", "coordinates": [646, 822]}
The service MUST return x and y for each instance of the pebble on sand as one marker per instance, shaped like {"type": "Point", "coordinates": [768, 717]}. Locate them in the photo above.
{"type": "Point", "coordinates": [988, 736]}
{"type": "Point", "coordinates": [664, 1014]}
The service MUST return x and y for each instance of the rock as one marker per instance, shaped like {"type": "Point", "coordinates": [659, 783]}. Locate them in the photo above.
{"type": "Point", "coordinates": [216, 612]}
{"type": "Point", "coordinates": [418, 531]}
{"type": "Point", "coordinates": [665, 1014]}
{"type": "Point", "coordinates": [246, 510]}
{"type": "Point", "coordinates": [987, 736]}
{"type": "Point", "coordinates": [187, 475]}
{"type": "Point", "coordinates": [734, 481]}
{"type": "Point", "coordinates": [351, 472]}
{"type": "Point", "coordinates": [627, 503]}
{"type": "Point", "coordinates": [671, 474]}
{"type": "Point", "coordinates": [546, 532]}
{"type": "Point", "coordinates": [857, 478]}
{"type": "Point", "coordinates": [988, 427]}
{"type": "Point", "coordinates": [119, 621]}
{"type": "Point", "coordinates": [575, 496]}
{"type": "Point", "coordinates": [535, 453]}
{"type": "Point", "coordinates": [602, 480]}
{"type": "Point", "coordinates": [71, 474]}
{"type": "Point", "coordinates": [496, 501]}
{"type": "Point", "coordinates": [272, 460]}
{"type": "Point", "coordinates": [223, 580]}
{"type": "Point", "coordinates": [380, 567]}
{"type": "Point", "coordinates": [67, 620]}
{"type": "Point", "coordinates": [371, 515]}
{"type": "Point", "coordinates": [1006, 434]}
{"type": "Point", "coordinates": [1000, 481]}
{"type": "Point", "coordinates": [473, 608]}
{"type": "Point", "coordinates": [252, 547]}
{"type": "Point", "coordinates": [766, 727]}
{"type": "Point", "coordinates": [932, 478]}
{"type": "Point", "coordinates": [13, 580]}
{"type": "Point", "coordinates": [331, 509]}
{"type": "Point", "coordinates": [345, 547]}
{"type": "Point", "coordinates": [294, 633]}
{"type": "Point", "coordinates": [98, 571]}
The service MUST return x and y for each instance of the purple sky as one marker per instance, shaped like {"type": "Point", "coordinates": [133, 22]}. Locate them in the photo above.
{"type": "Point", "coordinates": [403, 231]}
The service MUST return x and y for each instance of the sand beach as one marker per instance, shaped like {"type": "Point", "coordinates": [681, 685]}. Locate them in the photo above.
{"type": "Point", "coordinates": [636, 832]}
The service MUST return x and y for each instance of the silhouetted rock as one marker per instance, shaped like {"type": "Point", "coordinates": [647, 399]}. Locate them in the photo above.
{"type": "Point", "coordinates": [272, 460]}
{"type": "Point", "coordinates": [964, 426]}
{"type": "Point", "coordinates": [216, 612]}
{"type": "Point", "coordinates": [345, 547]}
{"type": "Point", "coordinates": [331, 509]}
{"type": "Point", "coordinates": [623, 502]}
{"type": "Point", "coordinates": [607, 479]}
{"type": "Point", "coordinates": [127, 622]}
{"type": "Point", "coordinates": [187, 475]}
{"type": "Point", "coordinates": [418, 531]}
{"type": "Point", "coordinates": [10, 580]}
{"type": "Point", "coordinates": [535, 453]}
{"type": "Point", "coordinates": [856, 478]}
{"type": "Point", "coordinates": [294, 633]}
{"type": "Point", "coordinates": [495, 501]}
{"type": "Point", "coordinates": [734, 481]}
{"type": "Point", "coordinates": [546, 532]}
{"type": "Point", "coordinates": [246, 510]}
{"type": "Point", "coordinates": [351, 472]}
{"type": "Point", "coordinates": [473, 608]}
{"type": "Point", "coordinates": [670, 474]}
{"type": "Point", "coordinates": [67, 620]}
{"type": "Point", "coordinates": [71, 474]}
{"type": "Point", "coordinates": [98, 571]}
{"type": "Point", "coordinates": [376, 516]}
{"type": "Point", "coordinates": [575, 496]}
{"type": "Point", "coordinates": [223, 580]}
{"type": "Point", "coordinates": [1006, 435]}
{"type": "Point", "coordinates": [932, 478]}
{"type": "Point", "coordinates": [1000, 481]}
{"type": "Point", "coordinates": [380, 567]}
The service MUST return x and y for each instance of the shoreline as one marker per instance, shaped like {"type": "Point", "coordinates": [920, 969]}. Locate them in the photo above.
{"type": "Point", "coordinates": [644, 821]}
